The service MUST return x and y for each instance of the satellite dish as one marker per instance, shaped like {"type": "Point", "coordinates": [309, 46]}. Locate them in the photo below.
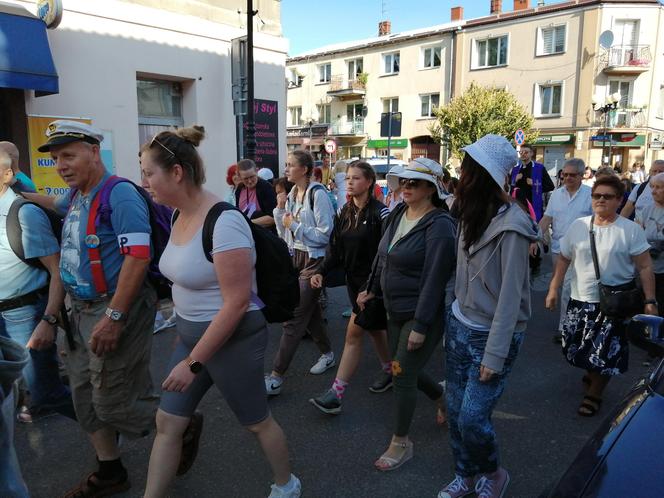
{"type": "Point", "coordinates": [606, 39]}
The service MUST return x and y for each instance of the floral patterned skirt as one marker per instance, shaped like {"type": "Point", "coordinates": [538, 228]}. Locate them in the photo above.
{"type": "Point", "coordinates": [593, 341]}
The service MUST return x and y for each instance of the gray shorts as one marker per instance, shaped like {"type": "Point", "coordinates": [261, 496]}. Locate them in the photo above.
{"type": "Point", "coordinates": [236, 369]}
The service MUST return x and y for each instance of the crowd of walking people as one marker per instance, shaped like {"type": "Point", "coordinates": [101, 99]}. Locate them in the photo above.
{"type": "Point", "coordinates": [433, 262]}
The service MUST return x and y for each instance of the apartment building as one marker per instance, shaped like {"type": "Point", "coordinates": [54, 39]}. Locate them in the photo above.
{"type": "Point", "coordinates": [133, 68]}
{"type": "Point", "coordinates": [340, 91]}
{"type": "Point", "coordinates": [563, 61]}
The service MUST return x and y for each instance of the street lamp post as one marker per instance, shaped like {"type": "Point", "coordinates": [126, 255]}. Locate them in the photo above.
{"type": "Point", "coordinates": [611, 104]}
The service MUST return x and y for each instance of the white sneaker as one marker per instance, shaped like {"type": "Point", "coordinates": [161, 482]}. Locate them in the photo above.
{"type": "Point", "coordinates": [325, 362]}
{"type": "Point", "coordinates": [293, 489]}
{"type": "Point", "coordinates": [273, 385]}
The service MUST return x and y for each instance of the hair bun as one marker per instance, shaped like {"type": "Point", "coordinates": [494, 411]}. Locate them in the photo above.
{"type": "Point", "coordinates": [192, 134]}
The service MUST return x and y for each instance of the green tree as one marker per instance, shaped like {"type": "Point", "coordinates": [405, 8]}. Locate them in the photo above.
{"type": "Point", "coordinates": [480, 111]}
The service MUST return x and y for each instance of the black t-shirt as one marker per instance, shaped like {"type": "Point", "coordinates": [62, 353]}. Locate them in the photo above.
{"type": "Point", "coordinates": [526, 191]}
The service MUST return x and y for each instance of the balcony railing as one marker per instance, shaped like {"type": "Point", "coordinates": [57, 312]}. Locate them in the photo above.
{"type": "Point", "coordinates": [623, 118]}
{"type": "Point", "coordinates": [626, 59]}
{"type": "Point", "coordinates": [344, 127]}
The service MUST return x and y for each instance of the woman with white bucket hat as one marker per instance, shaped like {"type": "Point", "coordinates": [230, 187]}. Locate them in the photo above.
{"type": "Point", "coordinates": [415, 262]}
{"type": "Point", "coordinates": [489, 316]}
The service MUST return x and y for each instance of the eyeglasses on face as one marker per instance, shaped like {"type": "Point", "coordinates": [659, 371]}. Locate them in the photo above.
{"type": "Point", "coordinates": [609, 197]}
{"type": "Point", "coordinates": [570, 175]}
{"type": "Point", "coordinates": [410, 182]}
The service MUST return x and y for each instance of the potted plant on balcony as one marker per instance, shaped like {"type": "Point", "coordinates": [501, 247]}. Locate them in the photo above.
{"type": "Point", "coordinates": [362, 79]}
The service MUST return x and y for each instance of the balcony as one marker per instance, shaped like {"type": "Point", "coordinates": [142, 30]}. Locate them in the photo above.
{"type": "Point", "coordinates": [344, 89]}
{"type": "Point", "coordinates": [626, 60]}
{"type": "Point", "coordinates": [623, 118]}
{"type": "Point", "coordinates": [345, 127]}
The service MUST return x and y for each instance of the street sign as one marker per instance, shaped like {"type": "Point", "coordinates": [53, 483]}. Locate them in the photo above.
{"type": "Point", "coordinates": [519, 137]}
{"type": "Point", "coordinates": [600, 138]}
{"type": "Point", "coordinates": [330, 146]}
{"type": "Point", "coordinates": [390, 124]}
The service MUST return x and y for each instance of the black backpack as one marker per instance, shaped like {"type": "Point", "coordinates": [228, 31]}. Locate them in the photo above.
{"type": "Point", "coordinates": [276, 277]}
{"type": "Point", "coordinates": [15, 232]}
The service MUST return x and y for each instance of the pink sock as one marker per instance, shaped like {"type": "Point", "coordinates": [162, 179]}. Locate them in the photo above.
{"type": "Point", "coordinates": [387, 367]}
{"type": "Point", "coordinates": [339, 387]}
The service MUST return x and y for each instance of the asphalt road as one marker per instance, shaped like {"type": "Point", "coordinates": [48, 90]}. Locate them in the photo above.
{"type": "Point", "coordinates": [536, 422]}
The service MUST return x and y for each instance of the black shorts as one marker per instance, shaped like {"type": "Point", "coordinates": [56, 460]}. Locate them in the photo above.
{"type": "Point", "coordinates": [354, 287]}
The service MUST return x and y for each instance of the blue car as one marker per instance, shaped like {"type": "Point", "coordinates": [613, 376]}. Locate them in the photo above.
{"type": "Point", "coordinates": [625, 456]}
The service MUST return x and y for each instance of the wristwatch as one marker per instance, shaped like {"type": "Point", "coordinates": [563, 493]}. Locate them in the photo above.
{"type": "Point", "coordinates": [50, 319]}
{"type": "Point", "coordinates": [650, 301]}
{"type": "Point", "coordinates": [115, 315]}
{"type": "Point", "coordinates": [194, 366]}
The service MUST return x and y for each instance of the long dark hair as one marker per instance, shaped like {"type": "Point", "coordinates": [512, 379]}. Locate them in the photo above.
{"type": "Point", "coordinates": [350, 214]}
{"type": "Point", "coordinates": [477, 200]}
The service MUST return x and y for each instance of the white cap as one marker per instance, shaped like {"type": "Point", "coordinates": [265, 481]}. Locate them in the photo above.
{"type": "Point", "coordinates": [64, 131]}
{"type": "Point", "coordinates": [421, 168]}
{"type": "Point", "coordinates": [495, 154]}
{"type": "Point", "coordinates": [265, 174]}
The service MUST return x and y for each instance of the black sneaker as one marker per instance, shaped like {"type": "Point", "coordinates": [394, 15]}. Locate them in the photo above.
{"type": "Point", "coordinates": [382, 383]}
{"type": "Point", "coordinates": [327, 403]}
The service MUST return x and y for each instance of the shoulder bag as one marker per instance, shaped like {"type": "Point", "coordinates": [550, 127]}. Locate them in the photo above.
{"type": "Point", "coordinates": [615, 301]}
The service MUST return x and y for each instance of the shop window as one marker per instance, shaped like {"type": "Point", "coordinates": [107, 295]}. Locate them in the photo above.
{"type": "Point", "coordinates": [391, 63]}
{"type": "Point", "coordinates": [491, 52]}
{"type": "Point", "coordinates": [159, 107]}
{"type": "Point", "coordinates": [429, 103]}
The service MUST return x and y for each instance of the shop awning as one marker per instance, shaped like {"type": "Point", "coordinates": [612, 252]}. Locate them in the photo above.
{"type": "Point", "coordinates": [25, 56]}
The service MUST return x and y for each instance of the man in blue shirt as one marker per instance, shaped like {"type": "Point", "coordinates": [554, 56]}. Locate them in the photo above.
{"type": "Point", "coordinates": [31, 296]}
{"type": "Point", "coordinates": [22, 182]}
{"type": "Point", "coordinates": [109, 366]}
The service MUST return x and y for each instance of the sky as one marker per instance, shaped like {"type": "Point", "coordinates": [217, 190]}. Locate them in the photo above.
{"type": "Point", "coordinates": [309, 24]}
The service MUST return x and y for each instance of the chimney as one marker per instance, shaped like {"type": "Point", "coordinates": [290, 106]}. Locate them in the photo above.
{"type": "Point", "coordinates": [521, 4]}
{"type": "Point", "coordinates": [457, 13]}
{"type": "Point", "coordinates": [496, 6]}
{"type": "Point", "coordinates": [384, 28]}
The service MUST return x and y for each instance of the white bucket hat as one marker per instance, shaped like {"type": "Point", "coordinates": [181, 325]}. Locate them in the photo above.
{"type": "Point", "coordinates": [495, 154]}
{"type": "Point", "coordinates": [421, 168]}
{"type": "Point", "coordinates": [265, 174]}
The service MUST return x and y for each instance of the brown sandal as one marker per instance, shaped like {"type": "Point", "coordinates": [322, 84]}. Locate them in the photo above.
{"type": "Point", "coordinates": [190, 439]}
{"type": "Point", "coordinates": [589, 406]}
{"type": "Point", "coordinates": [95, 487]}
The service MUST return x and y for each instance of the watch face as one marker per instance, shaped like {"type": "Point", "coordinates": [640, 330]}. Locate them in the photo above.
{"type": "Point", "coordinates": [195, 366]}
{"type": "Point", "coordinates": [116, 315]}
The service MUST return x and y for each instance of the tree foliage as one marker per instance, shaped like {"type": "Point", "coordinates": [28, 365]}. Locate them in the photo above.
{"type": "Point", "coordinates": [479, 111]}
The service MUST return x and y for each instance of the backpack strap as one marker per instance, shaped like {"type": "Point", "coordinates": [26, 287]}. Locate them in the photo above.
{"type": "Point", "coordinates": [312, 195]}
{"type": "Point", "coordinates": [14, 230]}
{"type": "Point", "coordinates": [209, 223]}
{"type": "Point", "coordinates": [640, 190]}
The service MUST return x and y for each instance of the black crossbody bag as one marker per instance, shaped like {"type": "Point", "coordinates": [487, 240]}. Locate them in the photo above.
{"type": "Point", "coordinates": [616, 301]}
{"type": "Point", "coordinates": [373, 316]}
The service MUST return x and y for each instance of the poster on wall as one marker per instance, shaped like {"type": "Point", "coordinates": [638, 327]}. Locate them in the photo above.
{"type": "Point", "coordinates": [267, 134]}
{"type": "Point", "coordinates": [42, 167]}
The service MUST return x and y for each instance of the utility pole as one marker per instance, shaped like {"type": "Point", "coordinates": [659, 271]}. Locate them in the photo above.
{"type": "Point", "coordinates": [251, 124]}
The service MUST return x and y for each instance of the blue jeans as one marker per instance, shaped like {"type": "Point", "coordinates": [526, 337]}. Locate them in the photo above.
{"type": "Point", "coordinates": [12, 358]}
{"type": "Point", "coordinates": [41, 374]}
{"type": "Point", "coordinates": [470, 402]}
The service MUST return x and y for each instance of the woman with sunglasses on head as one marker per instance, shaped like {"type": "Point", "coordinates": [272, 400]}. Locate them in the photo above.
{"type": "Point", "coordinates": [353, 245]}
{"type": "Point", "coordinates": [593, 341]}
{"type": "Point", "coordinates": [415, 263]}
{"type": "Point", "coordinates": [304, 219]}
{"type": "Point", "coordinates": [489, 316]}
{"type": "Point", "coordinates": [222, 334]}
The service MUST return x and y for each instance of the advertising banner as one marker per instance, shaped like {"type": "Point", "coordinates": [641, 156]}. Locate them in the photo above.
{"type": "Point", "coordinates": [267, 134]}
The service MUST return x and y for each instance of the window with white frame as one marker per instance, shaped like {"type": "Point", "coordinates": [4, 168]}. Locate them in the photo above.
{"type": "Point", "coordinates": [549, 99]}
{"type": "Point", "coordinates": [491, 52]}
{"type": "Point", "coordinates": [324, 113]}
{"type": "Point", "coordinates": [660, 108]}
{"type": "Point", "coordinates": [429, 102]}
{"type": "Point", "coordinates": [324, 72]}
{"type": "Point", "coordinates": [620, 117]}
{"type": "Point", "coordinates": [431, 57]}
{"type": "Point", "coordinates": [159, 107]}
{"type": "Point", "coordinates": [551, 40]}
{"type": "Point", "coordinates": [391, 104]}
{"type": "Point", "coordinates": [391, 63]}
{"type": "Point", "coordinates": [295, 115]}
{"type": "Point", "coordinates": [355, 67]}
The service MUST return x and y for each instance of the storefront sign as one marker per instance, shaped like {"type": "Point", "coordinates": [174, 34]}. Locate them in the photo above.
{"type": "Point", "coordinates": [316, 130]}
{"type": "Point", "coordinates": [395, 143]}
{"type": "Point", "coordinates": [620, 140]}
{"type": "Point", "coordinates": [42, 167]}
{"type": "Point", "coordinates": [553, 140]}
{"type": "Point", "coordinates": [266, 114]}
{"type": "Point", "coordinates": [50, 11]}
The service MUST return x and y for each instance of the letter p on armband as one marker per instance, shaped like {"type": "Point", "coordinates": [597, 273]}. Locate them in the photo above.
{"type": "Point", "coordinates": [136, 245]}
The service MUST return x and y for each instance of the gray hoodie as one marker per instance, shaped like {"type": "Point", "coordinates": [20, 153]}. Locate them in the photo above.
{"type": "Point", "coordinates": [492, 280]}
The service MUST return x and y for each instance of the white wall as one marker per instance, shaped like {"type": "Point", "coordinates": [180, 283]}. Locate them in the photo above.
{"type": "Point", "coordinates": [100, 47]}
